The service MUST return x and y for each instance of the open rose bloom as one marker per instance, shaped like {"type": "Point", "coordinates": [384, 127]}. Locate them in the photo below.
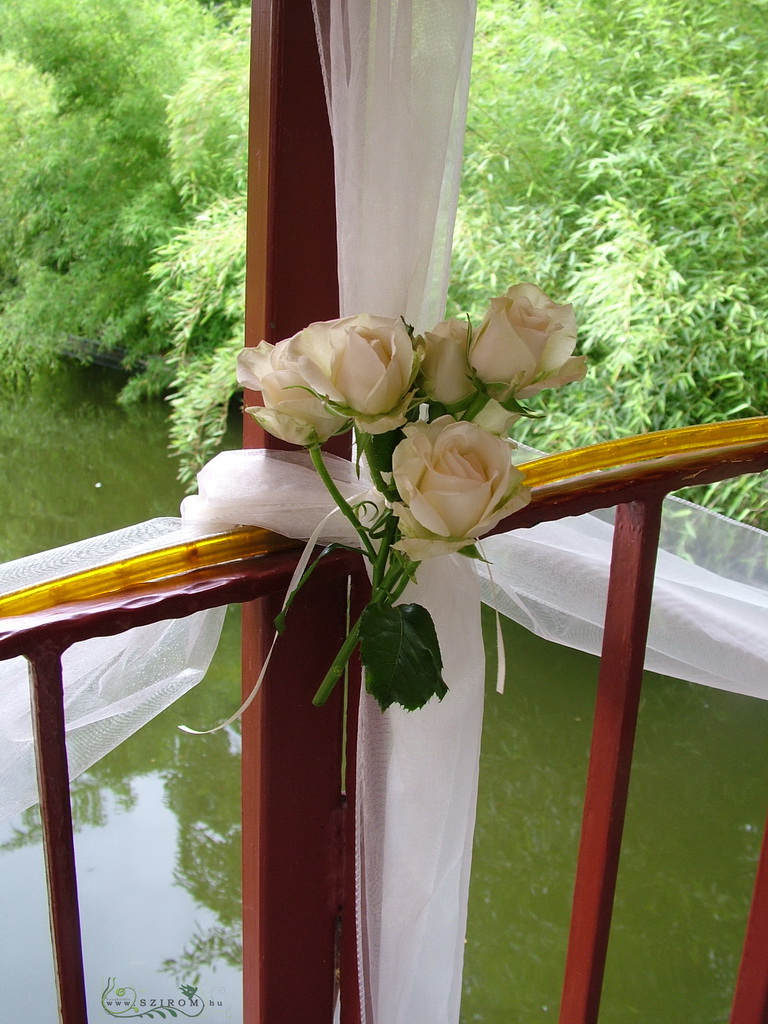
{"type": "Point", "coordinates": [456, 482]}
{"type": "Point", "coordinates": [360, 368]}
{"type": "Point", "coordinates": [431, 414]}
{"type": "Point", "coordinates": [446, 399]}
{"type": "Point", "coordinates": [525, 344]}
{"type": "Point", "coordinates": [290, 412]}
{"type": "Point", "coordinates": [363, 366]}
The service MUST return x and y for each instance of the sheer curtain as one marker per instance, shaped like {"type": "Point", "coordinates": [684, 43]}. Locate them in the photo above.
{"type": "Point", "coordinates": [396, 75]}
{"type": "Point", "coordinates": [112, 685]}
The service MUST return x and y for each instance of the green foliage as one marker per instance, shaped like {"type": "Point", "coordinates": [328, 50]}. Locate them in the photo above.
{"type": "Point", "coordinates": [616, 157]}
{"type": "Point", "coordinates": [124, 124]}
{"type": "Point", "coordinates": [199, 299]}
{"type": "Point", "coordinates": [90, 195]}
{"type": "Point", "coordinates": [208, 118]}
{"type": "Point", "coordinates": [401, 654]}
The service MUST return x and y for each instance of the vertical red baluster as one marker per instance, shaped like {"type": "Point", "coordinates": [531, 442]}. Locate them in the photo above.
{"type": "Point", "coordinates": [750, 1003]}
{"type": "Point", "coordinates": [292, 804]}
{"type": "Point", "coordinates": [350, 990]}
{"type": "Point", "coordinates": [293, 829]}
{"type": "Point", "coordinates": [618, 695]}
{"type": "Point", "coordinates": [58, 844]}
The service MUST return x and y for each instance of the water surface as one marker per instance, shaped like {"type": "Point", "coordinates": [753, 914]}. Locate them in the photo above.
{"type": "Point", "coordinates": [158, 819]}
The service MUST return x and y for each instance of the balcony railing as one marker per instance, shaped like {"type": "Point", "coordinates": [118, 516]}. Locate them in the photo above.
{"type": "Point", "coordinates": [41, 622]}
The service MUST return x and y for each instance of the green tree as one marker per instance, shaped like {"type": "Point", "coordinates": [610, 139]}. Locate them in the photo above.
{"type": "Point", "coordinates": [91, 191]}
{"type": "Point", "coordinates": [199, 274]}
{"type": "Point", "coordinates": [616, 157]}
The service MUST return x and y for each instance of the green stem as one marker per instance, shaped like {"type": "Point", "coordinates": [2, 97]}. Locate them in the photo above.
{"type": "Point", "coordinates": [395, 581]}
{"type": "Point", "coordinates": [365, 446]}
{"type": "Point", "coordinates": [334, 673]}
{"type": "Point", "coordinates": [402, 584]}
{"type": "Point", "coordinates": [379, 566]}
{"type": "Point", "coordinates": [317, 461]}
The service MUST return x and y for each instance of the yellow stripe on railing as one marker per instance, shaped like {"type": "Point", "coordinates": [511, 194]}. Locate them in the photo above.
{"type": "Point", "coordinates": [622, 457]}
{"type": "Point", "coordinates": [627, 458]}
{"type": "Point", "coordinates": [151, 566]}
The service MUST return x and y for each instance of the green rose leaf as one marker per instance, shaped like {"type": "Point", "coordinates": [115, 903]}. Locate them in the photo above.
{"type": "Point", "coordinates": [381, 446]}
{"type": "Point", "coordinates": [401, 655]}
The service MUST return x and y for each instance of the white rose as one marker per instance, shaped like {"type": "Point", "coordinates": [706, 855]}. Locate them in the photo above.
{"type": "Point", "coordinates": [456, 481]}
{"type": "Point", "coordinates": [364, 365]}
{"type": "Point", "coordinates": [445, 369]}
{"type": "Point", "coordinates": [291, 412]}
{"type": "Point", "coordinates": [524, 344]}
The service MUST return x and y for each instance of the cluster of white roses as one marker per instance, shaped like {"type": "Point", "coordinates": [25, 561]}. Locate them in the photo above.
{"type": "Point", "coordinates": [446, 399]}
{"type": "Point", "coordinates": [431, 414]}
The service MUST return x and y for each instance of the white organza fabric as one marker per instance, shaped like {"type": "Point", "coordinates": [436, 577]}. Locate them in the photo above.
{"type": "Point", "coordinates": [396, 74]}
{"type": "Point", "coordinates": [416, 773]}
{"type": "Point", "coordinates": [397, 78]}
{"type": "Point", "coordinates": [706, 626]}
{"type": "Point", "coordinates": [112, 685]}
{"type": "Point", "coordinates": [709, 618]}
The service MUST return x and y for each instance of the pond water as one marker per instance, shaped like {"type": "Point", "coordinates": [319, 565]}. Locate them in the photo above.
{"type": "Point", "coordinates": [158, 819]}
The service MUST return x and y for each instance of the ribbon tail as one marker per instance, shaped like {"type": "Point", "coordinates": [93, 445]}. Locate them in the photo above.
{"type": "Point", "coordinates": [298, 572]}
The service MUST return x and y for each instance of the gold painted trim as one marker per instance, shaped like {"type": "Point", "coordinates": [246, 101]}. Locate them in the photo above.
{"type": "Point", "coordinates": [718, 438]}
{"type": "Point", "coordinates": [631, 457]}
{"type": "Point", "coordinates": [151, 566]}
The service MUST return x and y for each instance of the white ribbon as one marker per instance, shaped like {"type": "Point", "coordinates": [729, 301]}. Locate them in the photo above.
{"type": "Point", "coordinates": [298, 572]}
{"type": "Point", "coordinates": [417, 771]}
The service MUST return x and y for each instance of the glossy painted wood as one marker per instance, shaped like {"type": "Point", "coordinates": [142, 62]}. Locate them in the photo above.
{"type": "Point", "coordinates": [293, 891]}
{"type": "Point", "coordinates": [246, 578]}
{"type": "Point", "coordinates": [750, 1002]}
{"type": "Point", "coordinates": [233, 583]}
{"type": "Point", "coordinates": [291, 276]}
{"type": "Point", "coordinates": [618, 696]}
{"type": "Point", "coordinates": [561, 485]}
{"type": "Point", "coordinates": [58, 844]}
{"type": "Point", "coordinates": [293, 804]}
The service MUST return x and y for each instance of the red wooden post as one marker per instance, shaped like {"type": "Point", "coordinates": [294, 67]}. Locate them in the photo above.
{"type": "Point", "coordinates": [750, 1003]}
{"type": "Point", "coordinates": [618, 695]}
{"type": "Point", "coordinates": [58, 844]}
{"type": "Point", "coordinates": [349, 968]}
{"type": "Point", "coordinates": [294, 834]}
{"type": "Point", "coordinates": [293, 804]}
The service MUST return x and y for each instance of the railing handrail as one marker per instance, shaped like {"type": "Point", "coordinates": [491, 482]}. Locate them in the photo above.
{"type": "Point", "coordinates": [240, 565]}
{"type": "Point", "coordinates": [570, 483]}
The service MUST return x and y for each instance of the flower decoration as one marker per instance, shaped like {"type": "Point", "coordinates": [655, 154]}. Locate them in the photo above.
{"type": "Point", "coordinates": [430, 415]}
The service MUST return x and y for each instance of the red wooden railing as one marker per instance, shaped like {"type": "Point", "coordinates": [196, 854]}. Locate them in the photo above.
{"type": "Point", "coordinates": [297, 849]}
{"type": "Point", "coordinates": [297, 872]}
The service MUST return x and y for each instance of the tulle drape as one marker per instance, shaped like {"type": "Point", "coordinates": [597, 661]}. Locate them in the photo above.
{"type": "Point", "coordinates": [396, 74]}
{"type": "Point", "coordinates": [112, 685]}
{"type": "Point", "coordinates": [417, 772]}
{"type": "Point", "coordinates": [397, 79]}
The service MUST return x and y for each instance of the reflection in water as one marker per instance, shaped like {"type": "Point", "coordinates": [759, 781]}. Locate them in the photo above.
{"type": "Point", "coordinates": [696, 810]}
{"type": "Point", "coordinates": [157, 820]}
{"type": "Point", "coordinates": [158, 839]}
{"type": "Point", "coordinates": [75, 465]}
